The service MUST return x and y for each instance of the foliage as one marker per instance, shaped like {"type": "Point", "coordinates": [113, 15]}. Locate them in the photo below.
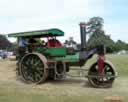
{"type": "Point", "coordinates": [70, 42]}
{"type": "Point", "coordinates": [98, 36]}
{"type": "Point", "coordinates": [4, 42]}
{"type": "Point", "coordinates": [95, 24]}
{"type": "Point", "coordinates": [120, 45]}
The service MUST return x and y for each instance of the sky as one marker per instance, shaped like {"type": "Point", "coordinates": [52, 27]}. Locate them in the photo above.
{"type": "Point", "coordinates": [28, 15]}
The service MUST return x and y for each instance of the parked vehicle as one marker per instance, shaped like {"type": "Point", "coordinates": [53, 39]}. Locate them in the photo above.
{"type": "Point", "coordinates": [3, 55]}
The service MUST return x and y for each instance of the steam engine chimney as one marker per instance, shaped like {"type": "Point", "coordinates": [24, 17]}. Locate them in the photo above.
{"type": "Point", "coordinates": [83, 35]}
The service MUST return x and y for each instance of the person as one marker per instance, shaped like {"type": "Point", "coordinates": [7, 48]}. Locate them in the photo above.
{"type": "Point", "coordinates": [22, 42]}
{"type": "Point", "coordinates": [32, 41]}
{"type": "Point", "coordinates": [22, 46]}
{"type": "Point", "coordinates": [31, 44]}
{"type": "Point", "coordinates": [53, 43]}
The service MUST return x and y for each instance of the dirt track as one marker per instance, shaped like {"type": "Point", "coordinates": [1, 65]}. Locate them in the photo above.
{"type": "Point", "coordinates": [70, 86]}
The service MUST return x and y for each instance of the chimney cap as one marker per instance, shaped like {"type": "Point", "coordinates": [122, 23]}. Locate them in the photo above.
{"type": "Point", "coordinates": [82, 24]}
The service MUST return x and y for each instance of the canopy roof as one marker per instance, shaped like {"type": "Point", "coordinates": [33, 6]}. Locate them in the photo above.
{"type": "Point", "coordinates": [38, 33]}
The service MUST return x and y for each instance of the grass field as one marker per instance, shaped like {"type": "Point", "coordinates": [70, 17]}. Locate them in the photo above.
{"type": "Point", "coordinates": [68, 90]}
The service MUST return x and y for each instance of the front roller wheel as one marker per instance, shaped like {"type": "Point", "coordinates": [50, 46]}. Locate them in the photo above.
{"type": "Point", "coordinates": [33, 68]}
{"type": "Point", "coordinates": [103, 81]}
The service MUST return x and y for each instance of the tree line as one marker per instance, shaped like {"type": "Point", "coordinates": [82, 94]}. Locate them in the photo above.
{"type": "Point", "coordinates": [98, 36]}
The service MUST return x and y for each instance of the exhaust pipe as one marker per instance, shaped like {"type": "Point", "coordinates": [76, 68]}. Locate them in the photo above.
{"type": "Point", "coordinates": [83, 35]}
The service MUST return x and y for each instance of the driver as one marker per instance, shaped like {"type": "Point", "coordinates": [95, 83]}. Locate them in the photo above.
{"type": "Point", "coordinates": [22, 46]}
{"type": "Point", "coordinates": [31, 44]}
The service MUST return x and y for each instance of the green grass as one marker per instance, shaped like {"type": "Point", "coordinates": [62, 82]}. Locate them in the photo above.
{"type": "Point", "coordinates": [121, 64]}
{"type": "Point", "coordinates": [67, 91]}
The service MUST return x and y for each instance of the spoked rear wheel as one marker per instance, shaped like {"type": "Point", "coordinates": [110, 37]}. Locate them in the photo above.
{"type": "Point", "coordinates": [33, 68]}
{"type": "Point", "coordinates": [103, 81]}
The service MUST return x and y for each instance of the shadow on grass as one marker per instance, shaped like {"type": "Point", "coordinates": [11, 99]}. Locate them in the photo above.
{"type": "Point", "coordinates": [71, 81]}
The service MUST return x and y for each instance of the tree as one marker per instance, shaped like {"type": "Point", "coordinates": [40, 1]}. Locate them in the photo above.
{"type": "Point", "coordinates": [97, 35]}
{"type": "Point", "coordinates": [94, 25]}
{"type": "Point", "coordinates": [70, 42]}
{"type": "Point", "coordinates": [101, 39]}
{"type": "Point", "coordinates": [4, 43]}
{"type": "Point", "coordinates": [120, 45]}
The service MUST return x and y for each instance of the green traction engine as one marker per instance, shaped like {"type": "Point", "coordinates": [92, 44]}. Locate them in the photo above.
{"type": "Point", "coordinates": [38, 60]}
